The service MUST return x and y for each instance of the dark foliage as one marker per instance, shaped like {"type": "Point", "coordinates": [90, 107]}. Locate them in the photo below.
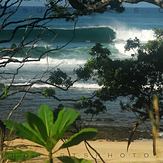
{"type": "Point", "coordinates": [59, 77]}
{"type": "Point", "coordinates": [138, 78]}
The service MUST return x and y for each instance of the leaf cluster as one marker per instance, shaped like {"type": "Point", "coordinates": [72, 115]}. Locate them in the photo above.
{"type": "Point", "coordinates": [132, 44]}
{"type": "Point", "coordinates": [138, 78]}
{"type": "Point", "coordinates": [48, 92]}
{"type": "Point", "coordinates": [59, 77]}
{"type": "Point", "coordinates": [46, 130]}
{"type": "Point", "coordinates": [93, 107]}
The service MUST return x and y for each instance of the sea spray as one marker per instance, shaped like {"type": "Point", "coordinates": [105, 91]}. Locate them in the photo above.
{"type": "Point", "coordinates": [125, 33]}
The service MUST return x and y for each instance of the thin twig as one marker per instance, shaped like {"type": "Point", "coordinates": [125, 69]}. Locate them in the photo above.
{"type": "Point", "coordinates": [90, 152]}
{"type": "Point", "coordinates": [17, 105]}
{"type": "Point", "coordinates": [95, 151]}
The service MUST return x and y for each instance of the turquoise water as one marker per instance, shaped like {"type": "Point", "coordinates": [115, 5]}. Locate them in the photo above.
{"type": "Point", "coordinates": [134, 22]}
{"type": "Point", "coordinates": [110, 28]}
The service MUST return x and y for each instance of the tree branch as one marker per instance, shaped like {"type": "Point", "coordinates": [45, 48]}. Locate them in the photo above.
{"type": "Point", "coordinates": [101, 5]}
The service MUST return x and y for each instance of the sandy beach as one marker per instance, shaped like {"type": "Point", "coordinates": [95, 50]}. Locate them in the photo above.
{"type": "Point", "coordinates": [140, 151]}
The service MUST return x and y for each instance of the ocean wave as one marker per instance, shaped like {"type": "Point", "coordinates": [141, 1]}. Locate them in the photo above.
{"type": "Point", "coordinates": [78, 53]}
{"type": "Point", "coordinates": [44, 63]}
{"type": "Point", "coordinates": [54, 35]}
{"type": "Point", "coordinates": [124, 33]}
{"type": "Point", "coordinates": [76, 85]}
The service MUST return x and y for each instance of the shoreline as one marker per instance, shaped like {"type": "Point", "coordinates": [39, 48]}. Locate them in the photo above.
{"type": "Point", "coordinates": [119, 133]}
{"type": "Point", "coordinates": [111, 133]}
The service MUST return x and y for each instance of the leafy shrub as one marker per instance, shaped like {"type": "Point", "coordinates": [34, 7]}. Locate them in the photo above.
{"type": "Point", "coordinates": [46, 131]}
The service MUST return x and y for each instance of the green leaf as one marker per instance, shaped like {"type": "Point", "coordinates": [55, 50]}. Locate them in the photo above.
{"type": "Point", "coordinates": [18, 155]}
{"type": "Point", "coordinates": [65, 118]}
{"type": "Point", "coordinates": [50, 144]}
{"type": "Point", "coordinates": [24, 131]}
{"type": "Point", "coordinates": [35, 137]}
{"type": "Point", "coordinates": [48, 92]}
{"type": "Point", "coordinates": [46, 115]}
{"type": "Point", "coordinates": [66, 159]}
{"type": "Point", "coordinates": [84, 134]}
{"type": "Point", "coordinates": [37, 125]}
{"type": "Point", "coordinates": [5, 91]}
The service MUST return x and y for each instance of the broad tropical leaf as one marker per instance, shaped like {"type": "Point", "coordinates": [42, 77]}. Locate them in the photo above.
{"type": "Point", "coordinates": [18, 155]}
{"type": "Point", "coordinates": [37, 125]}
{"type": "Point", "coordinates": [65, 118]}
{"type": "Point", "coordinates": [46, 114]}
{"type": "Point", "coordinates": [24, 131]}
{"type": "Point", "coordinates": [44, 131]}
{"type": "Point", "coordinates": [50, 143]}
{"type": "Point", "coordinates": [66, 159]}
{"type": "Point", "coordinates": [84, 134]}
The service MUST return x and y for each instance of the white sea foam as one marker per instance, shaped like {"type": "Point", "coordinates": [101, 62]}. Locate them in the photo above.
{"type": "Point", "coordinates": [49, 62]}
{"type": "Point", "coordinates": [56, 61]}
{"type": "Point", "coordinates": [144, 35]}
{"type": "Point", "coordinates": [76, 85]}
{"type": "Point", "coordinates": [124, 33]}
{"type": "Point", "coordinates": [86, 86]}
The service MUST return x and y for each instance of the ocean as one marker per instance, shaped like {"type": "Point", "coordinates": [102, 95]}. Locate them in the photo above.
{"type": "Point", "coordinates": [102, 28]}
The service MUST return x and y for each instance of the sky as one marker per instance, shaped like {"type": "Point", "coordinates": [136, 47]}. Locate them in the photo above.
{"type": "Point", "coordinates": [141, 4]}
{"type": "Point", "coordinates": [42, 2]}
